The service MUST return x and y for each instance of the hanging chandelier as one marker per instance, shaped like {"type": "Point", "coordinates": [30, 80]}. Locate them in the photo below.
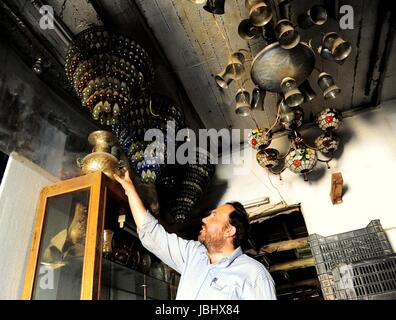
{"type": "Point", "coordinates": [300, 158]}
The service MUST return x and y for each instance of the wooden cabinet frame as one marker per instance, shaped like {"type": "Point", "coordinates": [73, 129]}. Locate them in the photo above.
{"type": "Point", "coordinates": [99, 185]}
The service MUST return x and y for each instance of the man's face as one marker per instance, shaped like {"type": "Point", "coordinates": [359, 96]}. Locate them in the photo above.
{"type": "Point", "coordinates": [214, 226]}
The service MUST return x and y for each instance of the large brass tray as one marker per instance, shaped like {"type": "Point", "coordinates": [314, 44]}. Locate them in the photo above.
{"type": "Point", "coordinates": [273, 64]}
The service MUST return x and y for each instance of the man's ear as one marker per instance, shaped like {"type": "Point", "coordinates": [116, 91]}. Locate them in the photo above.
{"type": "Point", "coordinates": [230, 231]}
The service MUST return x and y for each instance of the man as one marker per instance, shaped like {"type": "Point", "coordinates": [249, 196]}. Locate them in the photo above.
{"type": "Point", "coordinates": [213, 267]}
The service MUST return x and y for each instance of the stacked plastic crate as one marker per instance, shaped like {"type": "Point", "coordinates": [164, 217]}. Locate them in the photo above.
{"type": "Point", "coordinates": [355, 247]}
{"type": "Point", "coordinates": [373, 279]}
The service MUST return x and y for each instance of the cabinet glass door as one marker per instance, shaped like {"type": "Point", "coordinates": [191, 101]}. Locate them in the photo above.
{"type": "Point", "coordinates": [61, 255]}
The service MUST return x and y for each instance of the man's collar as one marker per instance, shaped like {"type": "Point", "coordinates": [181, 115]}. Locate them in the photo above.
{"type": "Point", "coordinates": [230, 259]}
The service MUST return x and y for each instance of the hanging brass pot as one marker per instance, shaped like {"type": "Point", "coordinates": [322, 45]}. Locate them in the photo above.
{"type": "Point", "coordinates": [233, 71]}
{"type": "Point", "coordinates": [259, 12]}
{"type": "Point", "coordinates": [327, 55]}
{"type": "Point", "coordinates": [242, 103]}
{"type": "Point", "coordinates": [258, 97]}
{"type": "Point", "coordinates": [290, 118]}
{"type": "Point", "coordinates": [307, 91]}
{"type": "Point", "coordinates": [293, 96]}
{"type": "Point", "coordinates": [286, 34]}
{"type": "Point", "coordinates": [316, 15]}
{"type": "Point", "coordinates": [339, 48]}
{"type": "Point", "coordinates": [283, 107]}
{"type": "Point", "coordinates": [215, 6]}
{"type": "Point", "coordinates": [249, 31]}
{"type": "Point", "coordinates": [224, 78]}
{"type": "Point", "coordinates": [329, 88]}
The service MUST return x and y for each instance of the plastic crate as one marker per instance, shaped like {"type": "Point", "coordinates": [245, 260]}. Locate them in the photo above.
{"type": "Point", "coordinates": [353, 246]}
{"type": "Point", "coordinates": [374, 279]}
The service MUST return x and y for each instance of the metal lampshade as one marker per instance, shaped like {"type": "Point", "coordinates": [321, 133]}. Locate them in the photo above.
{"type": "Point", "coordinates": [268, 158]}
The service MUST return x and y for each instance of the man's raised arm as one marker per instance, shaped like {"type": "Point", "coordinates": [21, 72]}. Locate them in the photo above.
{"type": "Point", "coordinates": [138, 209]}
{"type": "Point", "coordinates": [170, 248]}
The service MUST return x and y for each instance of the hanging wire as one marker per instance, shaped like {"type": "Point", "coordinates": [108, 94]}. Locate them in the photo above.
{"type": "Point", "coordinates": [280, 195]}
{"type": "Point", "coordinates": [241, 85]}
{"type": "Point", "coordinates": [151, 110]}
{"type": "Point", "coordinates": [230, 52]}
{"type": "Point", "coordinates": [62, 9]}
{"type": "Point", "coordinates": [254, 119]}
{"type": "Point", "coordinates": [276, 119]}
{"type": "Point", "coordinates": [261, 180]}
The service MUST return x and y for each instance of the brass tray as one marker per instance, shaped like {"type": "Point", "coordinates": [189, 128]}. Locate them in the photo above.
{"type": "Point", "coordinates": [273, 64]}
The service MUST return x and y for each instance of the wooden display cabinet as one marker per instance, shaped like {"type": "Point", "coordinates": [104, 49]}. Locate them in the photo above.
{"type": "Point", "coordinates": [66, 261]}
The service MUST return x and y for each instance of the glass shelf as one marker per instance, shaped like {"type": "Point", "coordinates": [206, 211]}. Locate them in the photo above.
{"type": "Point", "coordinates": [122, 283]}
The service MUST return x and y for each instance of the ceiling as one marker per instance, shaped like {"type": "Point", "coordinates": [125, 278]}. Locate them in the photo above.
{"type": "Point", "coordinates": [189, 47]}
{"type": "Point", "coordinates": [198, 44]}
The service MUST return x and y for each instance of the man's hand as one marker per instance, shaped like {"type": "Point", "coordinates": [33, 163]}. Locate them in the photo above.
{"type": "Point", "coordinates": [126, 182]}
{"type": "Point", "coordinates": [135, 203]}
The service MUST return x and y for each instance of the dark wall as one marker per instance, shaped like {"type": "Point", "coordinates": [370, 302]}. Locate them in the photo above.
{"type": "Point", "coordinates": [36, 121]}
{"type": "Point", "coordinates": [3, 164]}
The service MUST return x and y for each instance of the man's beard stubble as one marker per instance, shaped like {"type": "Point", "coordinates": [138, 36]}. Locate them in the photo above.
{"type": "Point", "coordinates": [212, 242]}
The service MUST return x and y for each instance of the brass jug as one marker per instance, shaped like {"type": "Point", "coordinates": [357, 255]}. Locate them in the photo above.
{"type": "Point", "coordinates": [77, 228]}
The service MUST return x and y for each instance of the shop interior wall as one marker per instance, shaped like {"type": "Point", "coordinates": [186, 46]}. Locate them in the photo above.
{"type": "Point", "coordinates": [366, 159]}
{"type": "Point", "coordinates": [19, 195]}
{"type": "Point", "coordinates": [37, 121]}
